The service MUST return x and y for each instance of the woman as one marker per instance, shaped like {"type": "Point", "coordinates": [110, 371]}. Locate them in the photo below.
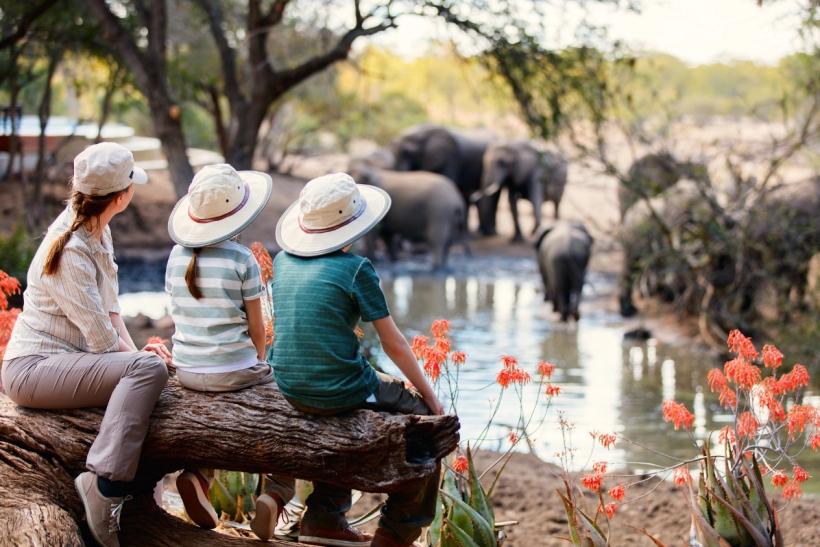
{"type": "Point", "coordinates": [70, 347]}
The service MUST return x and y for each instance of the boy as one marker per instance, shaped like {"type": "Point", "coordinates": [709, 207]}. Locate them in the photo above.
{"type": "Point", "coordinates": [320, 293]}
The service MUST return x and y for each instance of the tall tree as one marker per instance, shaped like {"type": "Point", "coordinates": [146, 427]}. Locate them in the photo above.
{"type": "Point", "coordinates": [264, 82]}
{"type": "Point", "coordinates": [139, 38]}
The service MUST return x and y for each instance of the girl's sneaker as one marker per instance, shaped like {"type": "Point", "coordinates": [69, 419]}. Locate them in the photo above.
{"type": "Point", "coordinates": [268, 509]}
{"type": "Point", "coordinates": [193, 489]}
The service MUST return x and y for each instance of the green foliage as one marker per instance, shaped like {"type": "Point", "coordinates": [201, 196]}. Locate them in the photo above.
{"type": "Point", "coordinates": [16, 252]}
{"type": "Point", "coordinates": [233, 493]}
{"type": "Point", "coordinates": [464, 516]}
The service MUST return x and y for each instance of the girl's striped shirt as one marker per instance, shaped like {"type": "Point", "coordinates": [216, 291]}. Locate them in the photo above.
{"type": "Point", "coordinates": [212, 332]}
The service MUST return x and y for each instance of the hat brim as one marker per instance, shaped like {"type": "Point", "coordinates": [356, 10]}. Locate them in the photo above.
{"type": "Point", "coordinates": [190, 233]}
{"type": "Point", "coordinates": [291, 238]}
{"type": "Point", "coordinates": [139, 176]}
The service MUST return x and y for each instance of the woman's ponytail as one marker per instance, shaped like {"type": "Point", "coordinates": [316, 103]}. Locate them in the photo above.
{"type": "Point", "coordinates": [190, 275]}
{"type": "Point", "coordinates": [56, 250]}
{"type": "Point", "coordinates": [87, 210]}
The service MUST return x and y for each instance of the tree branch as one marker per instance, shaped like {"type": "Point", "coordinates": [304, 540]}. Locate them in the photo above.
{"type": "Point", "coordinates": [287, 78]}
{"type": "Point", "coordinates": [25, 23]}
{"type": "Point", "coordinates": [227, 55]}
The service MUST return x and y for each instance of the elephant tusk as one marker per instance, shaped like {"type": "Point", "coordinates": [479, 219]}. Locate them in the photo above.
{"type": "Point", "coordinates": [490, 190]}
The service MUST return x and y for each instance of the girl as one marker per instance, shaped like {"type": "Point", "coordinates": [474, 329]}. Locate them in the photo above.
{"type": "Point", "coordinates": [70, 348]}
{"type": "Point", "coordinates": [216, 303]}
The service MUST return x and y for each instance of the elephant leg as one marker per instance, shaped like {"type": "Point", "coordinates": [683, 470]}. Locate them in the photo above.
{"type": "Point", "coordinates": [628, 277]}
{"type": "Point", "coordinates": [556, 203]}
{"type": "Point", "coordinates": [513, 197]}
{"type": "Point", "coordinates": [487, 207]}
{"type": "Point", "coordinates": [536, 195]}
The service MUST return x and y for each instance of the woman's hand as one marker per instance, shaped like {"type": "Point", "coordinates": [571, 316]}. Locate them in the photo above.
{"type": "Point", "coordinates": [434, 405]}
{"type": "Point", "coordinates": [160, 350]}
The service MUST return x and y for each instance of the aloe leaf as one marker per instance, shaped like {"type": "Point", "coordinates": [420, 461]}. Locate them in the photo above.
{"type": "Point", "coordinates": [595, 534]}
{"type": "Point", "coordinates": [482, 530]}
{"type": "Point", "coordinates": [707, 535]}
{"type": "Point", "coordinates": [454, 512]}
{"type": "Point", "coordinates": [478, 499]}
{"type": "Point", "coordinates": [572, 522]}
{"type": "Point", "coordinates": [434, 531]}
{"type": "Point", "coordinates": [463, 537]}
{"type": "Point", "coordinates": [757, 538]}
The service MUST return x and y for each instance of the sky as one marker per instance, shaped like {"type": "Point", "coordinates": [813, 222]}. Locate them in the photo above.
{"type": "Point", "coordinates": [696, 31]}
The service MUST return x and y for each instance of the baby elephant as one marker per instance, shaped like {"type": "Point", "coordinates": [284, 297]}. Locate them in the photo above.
{"type": "Point", "coordinates": [562, 249]}
{"type": "Point", "coordinates": [427, 208]}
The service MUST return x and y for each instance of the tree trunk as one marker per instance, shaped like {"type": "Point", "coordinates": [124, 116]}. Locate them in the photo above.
{"type": "Point", "coordinates": [166, 119]}
{"type": "Point", "coordinates": [254, 430]}
{"type": "Point", "coordinates": [244, 133]}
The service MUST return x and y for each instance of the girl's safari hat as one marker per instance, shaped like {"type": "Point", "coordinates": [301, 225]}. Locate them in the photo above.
{"type": "Point", "coordinates": [331, 213]}
{"type": "Point", "coordinates": [221, 202]}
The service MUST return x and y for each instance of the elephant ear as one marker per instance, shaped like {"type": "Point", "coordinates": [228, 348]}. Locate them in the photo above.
{"type": "Point", "coordinates": [439, 149]}
{"type": "Point", "coordinates": [542, 232]}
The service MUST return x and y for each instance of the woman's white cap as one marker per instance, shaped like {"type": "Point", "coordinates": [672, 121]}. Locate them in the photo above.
{"type": "Point", "coordinates": [105, 168]}
{"type": "Point", "coordinates": [331, 213]}
{"type": "Point", "coordinates": [221, 202]}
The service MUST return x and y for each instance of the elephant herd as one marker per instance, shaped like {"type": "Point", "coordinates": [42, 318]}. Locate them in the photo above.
{"type": "Point", "coordinates": [434, 174]}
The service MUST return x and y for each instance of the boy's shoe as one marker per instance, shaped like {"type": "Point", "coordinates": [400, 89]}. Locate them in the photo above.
{"type": "Point", "coordinates": [383, 538]}
{"type": "Point", "coordinates": [344, 536]}
{"type": "Point", "coordinates": [268, 509]}
{"type": "Point", "coordinates": [193, 489]}
{"type": "Point", "coordinates": [102, 513]}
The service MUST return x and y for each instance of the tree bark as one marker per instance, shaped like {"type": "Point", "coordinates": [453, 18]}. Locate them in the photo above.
{"type": "Point", "coordinates": [253, 430]}
{"type": "Point", "coordinates": [148, 67]}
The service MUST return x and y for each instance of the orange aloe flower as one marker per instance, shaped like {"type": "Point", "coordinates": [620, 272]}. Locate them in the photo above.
{"type": "Point", "coordinates": [460, 464]}
{"type": "Point", "coordinates": [592, 482]}
{"type": "Point", "coordinates": [779, 479]}
{"type": "Point", "coordinates": [617, 493]}
{"type": "Point", "coordinates": [440, 328]}
{"type": "Point", "coordinates": [609, 509]}
{"type": "Point", "coordinates": [459, 357]}
{"type": "Point", "coordinates": [264, 260]}
{"type": "Point", "coordinates": [800, 474]}
{"type": "Point", "coordinates": [677, 414]}
{"type": "Point", "coordinates": [607, 439]}
{"type": "Point", "coordinates": [545, 369]}
{"type": "Point", "coordinates": [741, 344]}
{"type": "Point", "coordinates": [792, 490]}
{"type": "Point", "coordinates": [681, 476]}
{"type": "Point", "coordinates": [772, 357]}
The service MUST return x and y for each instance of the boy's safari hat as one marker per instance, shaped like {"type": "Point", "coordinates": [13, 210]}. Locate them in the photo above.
{"type": "Point", "coordinates": [331, 213]}
{"type": "Point", "coordinates": [221, 202]}
{"type": "Point", "coordinates": [104, 168]}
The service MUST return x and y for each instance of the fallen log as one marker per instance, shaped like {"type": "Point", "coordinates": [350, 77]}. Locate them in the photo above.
{"type": "Point", "coordinates": [253, 430]}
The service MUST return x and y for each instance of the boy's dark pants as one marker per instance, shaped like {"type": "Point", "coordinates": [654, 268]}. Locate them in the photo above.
{"type": "Point", "coordinates": [406, 510]}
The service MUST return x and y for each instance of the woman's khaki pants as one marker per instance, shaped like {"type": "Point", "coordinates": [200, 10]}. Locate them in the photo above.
{"type": "Point", "coordinates": [127, 384]}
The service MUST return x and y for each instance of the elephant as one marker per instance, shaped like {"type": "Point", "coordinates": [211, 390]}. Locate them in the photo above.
{"type": "Point", "coordinates": [562, 250]}
{"type": "Point", "coordinates": [527, 172]}
{"type": "Point", "coordinates": [447, 152]}
{"type": "Point", "coordinates": [427, 208]}
{"type": "Point", "coordinates": [652, 174]}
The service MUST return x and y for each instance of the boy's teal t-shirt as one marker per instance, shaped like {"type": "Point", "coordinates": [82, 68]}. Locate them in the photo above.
{"type": "Point", "coordinates": [317, 304]}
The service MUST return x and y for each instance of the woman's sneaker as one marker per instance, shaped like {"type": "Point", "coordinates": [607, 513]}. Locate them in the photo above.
{"type": "Point", "coordinates": [268, 509]}
{"type": "Point", "coordinates": [102, 513]}
{"type": "Point", "coordinates": [193, 489]}
{"type": "Point", "coordinates": [345, 536]}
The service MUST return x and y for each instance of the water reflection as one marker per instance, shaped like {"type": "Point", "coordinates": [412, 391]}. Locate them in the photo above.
{"type": "Point", "coordinates": [607, 385]}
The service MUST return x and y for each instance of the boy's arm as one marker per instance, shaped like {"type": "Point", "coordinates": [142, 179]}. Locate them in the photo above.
{"type": "Point", "coordinates": [256, 326]}
{"type": "Point", "coordinates": [397, 348]}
